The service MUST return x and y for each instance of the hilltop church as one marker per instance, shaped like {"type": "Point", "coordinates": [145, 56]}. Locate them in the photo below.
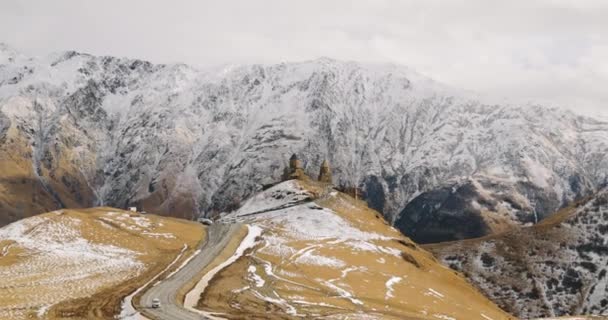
{"type": "Point", "coordinates": [296, 171]}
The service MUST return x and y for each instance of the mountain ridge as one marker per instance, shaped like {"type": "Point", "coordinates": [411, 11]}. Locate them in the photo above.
{"type": "Point", "coordinates": [173, 138]}
{"type": "Point", "coordinates": [554, 268]}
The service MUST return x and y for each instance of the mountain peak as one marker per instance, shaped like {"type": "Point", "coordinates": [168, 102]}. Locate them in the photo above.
{"type": "Point", "coordinates": [7, 53]}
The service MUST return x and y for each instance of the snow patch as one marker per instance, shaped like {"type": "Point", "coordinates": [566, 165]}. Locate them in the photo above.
{"type": "Point", "coordinates": [318, 260]}
{"type": "Point", "coordinates": [389, 286]}
{"type": "Point", "coordinates": [259, 282]}
{"type": "Point", "coordinates": [193, 296]}
{"type": "Point", "coordinates": [434, 293]}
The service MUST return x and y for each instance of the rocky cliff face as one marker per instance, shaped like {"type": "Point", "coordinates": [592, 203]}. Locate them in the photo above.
{"type": "Point", "coordinates": [557, 267]}
{"type": "Point", "coordinates": [478, 205]}
{"type": "Point", "coordinates": [184, 141]}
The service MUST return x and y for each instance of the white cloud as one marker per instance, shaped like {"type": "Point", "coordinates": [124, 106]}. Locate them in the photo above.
{"type": "Point", "coordinates": [547, 50]}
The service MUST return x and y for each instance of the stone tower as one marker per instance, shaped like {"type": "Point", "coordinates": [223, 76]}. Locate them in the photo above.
{"type": "Point", "coordinates": [295, 170]}
{"type": "Point", "coordinates": [325, 173]}
{"type": "Point", "coordinates": [294, 162]}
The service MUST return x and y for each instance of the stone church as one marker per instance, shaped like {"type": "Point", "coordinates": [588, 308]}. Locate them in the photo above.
{"type": "Point", "coordinates": [296, 171]}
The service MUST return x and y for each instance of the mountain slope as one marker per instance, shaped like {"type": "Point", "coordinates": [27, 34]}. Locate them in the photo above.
{"type": "Point", "coordinates": [83, 130]}
{"type": "Point", "coordinates": [81, 263]}
{"type": "Point", "coordinates": [323, 254]}
{"type": "Point", "coordinates": [554, 268]}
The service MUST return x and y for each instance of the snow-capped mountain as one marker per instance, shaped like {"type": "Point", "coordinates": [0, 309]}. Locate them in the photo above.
{"type": "Point", "coordinates": [87, 130]}
{"type": "Point", "coordinates": [554, 268]}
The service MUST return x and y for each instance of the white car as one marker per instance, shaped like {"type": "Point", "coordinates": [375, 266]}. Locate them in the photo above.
{"type": "Point", "coordinates": [155, 303]}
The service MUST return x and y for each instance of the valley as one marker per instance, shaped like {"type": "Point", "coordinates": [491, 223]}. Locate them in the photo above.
{"type": "Point", "coordinates": [299, 248]}
{"type": "Point", "coordinates": [430, 202]}
{"type": "Point", "coordinates": [304, 260]}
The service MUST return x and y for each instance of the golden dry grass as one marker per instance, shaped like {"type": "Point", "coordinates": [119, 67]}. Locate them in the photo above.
{"type": "Point", "coordinates": [278, 283]}
{"type": "Point", "coordinates": [94, 290]}
{"type": "Point", "coordinates": [576, 318]}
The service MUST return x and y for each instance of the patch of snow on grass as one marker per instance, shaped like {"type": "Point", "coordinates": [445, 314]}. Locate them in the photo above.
{"type": "Point", "coordinates": [434, 293]}
{"type": "Point", "coordinates": [278, 196]}
{"type": "Point", "coordinates": [42, 311]}
{"type": "Point", "coordinates": [346, 271]}
{"type": "Point", "coordinates": [58, 259]}
{"type": "Point", "coordinates": [62, 239]}
{"type": "Point", "coordinates": [306, 223]}
{"type": "Point", "coordinates": [343, 293]}
{"type": "Point", "coordinates": [259, 282]}
{"type": "Point", "coordinates": [367, 246]}
{"type": "Point", "coordinates": [143, 222]}
{"type": "Point", "coordinates": [159, 235]}
{"type": "Point", "coordinates": [276, 246]}
{"type": "Point", "coordinates": [389, 286]}
{"type": "Point", "coordinates": [310, 258]}
{"type": "Point", "coordinates": [278, 301]}
{"type": "Point", "coordinates": [486, 317]}
{"type": "Point", "coordinates": [320, 304]}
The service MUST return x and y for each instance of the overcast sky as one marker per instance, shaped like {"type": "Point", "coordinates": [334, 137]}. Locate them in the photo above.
{"type": "Point", "coordinates": [552, 51]}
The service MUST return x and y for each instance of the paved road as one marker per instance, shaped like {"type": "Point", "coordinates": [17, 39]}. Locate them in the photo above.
{"type": "Point", "coordinates": [218, 236]}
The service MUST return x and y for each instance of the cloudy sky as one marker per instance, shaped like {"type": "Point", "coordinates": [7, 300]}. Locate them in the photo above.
{"type": "Point", "coordinates": [550, 51]}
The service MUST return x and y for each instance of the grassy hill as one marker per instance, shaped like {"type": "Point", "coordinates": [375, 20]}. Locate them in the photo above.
{"type": "Point", "coordinates": [323, 254]}
{"type": "Point", "coordinates": [81, 263]}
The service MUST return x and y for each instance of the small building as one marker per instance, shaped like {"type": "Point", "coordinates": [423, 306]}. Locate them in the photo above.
{"type": "Point", "coordinates": [294, 162]}
{"type": "Point", "coordinates": [295, 170]}
{"type": "Point", "coordinates": [133, 209]}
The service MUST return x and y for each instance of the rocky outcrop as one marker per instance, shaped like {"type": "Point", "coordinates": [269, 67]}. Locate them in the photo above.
{"type": "Point", "coordinates": [5, 123]}
{"type": "Point", "coordinates": [556, 267]}
{"type": "Point", "coordinates": [443, 214]}
{"type": "Point", "coordinates": [472, 208]}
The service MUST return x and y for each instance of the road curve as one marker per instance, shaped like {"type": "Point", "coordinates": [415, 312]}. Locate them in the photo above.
{"type": "Point", "coordinates": [218, 236]}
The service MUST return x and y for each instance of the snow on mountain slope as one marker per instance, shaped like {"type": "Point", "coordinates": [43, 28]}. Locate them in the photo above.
{"type": "Point", "coordinates": [557, 267]}
{"type": "Point", "coordinates": [81, 263]}
{"type": "Point", "coordinates": [323, 254]}
{"type": "Point", "coordinates": [90, 130]}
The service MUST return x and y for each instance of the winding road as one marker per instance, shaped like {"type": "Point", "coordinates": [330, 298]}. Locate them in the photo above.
{"type": "Point", "coordinates": [218, 236]}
